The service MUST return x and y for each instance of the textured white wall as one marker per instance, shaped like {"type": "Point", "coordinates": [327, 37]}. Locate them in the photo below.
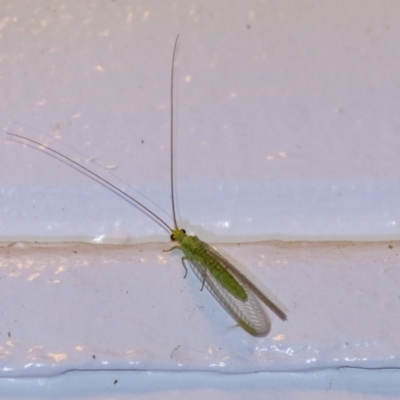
{"type": "Point", "coordinates": [287, 120]}
{"type": "Point", "coordinates": [287, 126]}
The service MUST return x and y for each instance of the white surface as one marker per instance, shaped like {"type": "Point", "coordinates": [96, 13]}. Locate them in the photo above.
{"type": "Point", "coordinates": [87, 307]}
{"type": "Point", "coordinates": [286, 118]}
{"type": "Point", "coordinates": [286, 127]}
{"type": "Point", "coordinates": [347, 384]}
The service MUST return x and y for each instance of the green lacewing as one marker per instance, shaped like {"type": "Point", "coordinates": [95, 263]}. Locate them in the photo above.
{"type": "Point", "coordinates": [238, 292]}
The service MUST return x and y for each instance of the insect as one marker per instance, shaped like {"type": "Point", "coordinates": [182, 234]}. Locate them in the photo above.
{"type": "Point", "coordinates": [234, 289]}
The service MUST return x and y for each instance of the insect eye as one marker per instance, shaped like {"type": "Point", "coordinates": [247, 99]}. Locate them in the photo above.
{"type": "Point", "coordinates": [183, 231]}
{"type": "Point", "coordinates": [172, 237]}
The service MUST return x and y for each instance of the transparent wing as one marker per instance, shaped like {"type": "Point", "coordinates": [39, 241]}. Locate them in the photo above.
{"type": "Point", "coordinates": [270, 301]}
{"type": "Point", "coordinates": [249, 314]}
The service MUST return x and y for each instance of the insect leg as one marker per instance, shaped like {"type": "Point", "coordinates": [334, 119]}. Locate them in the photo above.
{"type": "Point", "coordinates": [172, 248]}
{"type": "Point", "coordinates": [203, 273]}
{"type": "Point", "coordinates": [204, 280]}
{"type": "Point", "coordinates": [184, 266]}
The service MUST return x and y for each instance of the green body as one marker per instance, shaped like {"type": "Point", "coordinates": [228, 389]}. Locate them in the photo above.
{"type": "Point", "coordinates": [195, 250]}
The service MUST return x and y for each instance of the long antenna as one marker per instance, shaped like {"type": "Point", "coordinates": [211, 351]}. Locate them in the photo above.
{"type": "Point", "coordinates": [172, 135]}
{"type": "Point", "coordinates": [91, 173]}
